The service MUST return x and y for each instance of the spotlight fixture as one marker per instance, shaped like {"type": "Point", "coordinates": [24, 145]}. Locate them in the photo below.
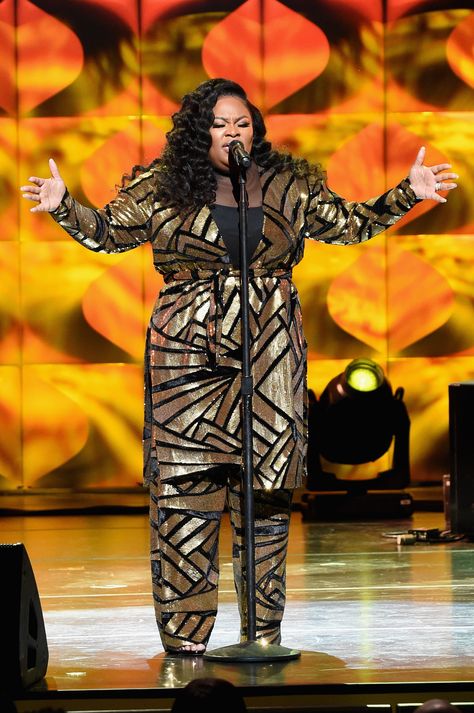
{"type": "Point", "coordinates": [354, 422]}
{"type": "Point", "coordinates": [364, 375]}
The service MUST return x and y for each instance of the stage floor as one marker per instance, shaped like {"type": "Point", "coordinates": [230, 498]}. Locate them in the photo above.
{"type": "Point", "coordinates": [376, 622]}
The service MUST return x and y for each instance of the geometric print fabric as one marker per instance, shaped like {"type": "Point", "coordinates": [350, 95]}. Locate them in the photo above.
{"type": "Point", "coordinates": [185, 519]}
{"type": "Point", "coordinates": [192, 360]}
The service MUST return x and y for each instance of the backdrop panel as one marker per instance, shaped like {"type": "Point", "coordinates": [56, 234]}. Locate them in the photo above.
{"type": "Point", "coordinates": [355, 86]}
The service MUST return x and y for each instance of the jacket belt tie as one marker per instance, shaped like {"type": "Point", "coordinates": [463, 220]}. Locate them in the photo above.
{"type": "Point", "coordinates": [218, 279]}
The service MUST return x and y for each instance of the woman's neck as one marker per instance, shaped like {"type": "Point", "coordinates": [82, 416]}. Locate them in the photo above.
{"type": "Point", "coordinates": [227, 192]}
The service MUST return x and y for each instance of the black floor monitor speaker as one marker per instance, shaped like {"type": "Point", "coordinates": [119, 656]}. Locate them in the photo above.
{"type": "Point", "coordinates": [23, 645]}
{"type": "Point", "coordinates": [461, 448]}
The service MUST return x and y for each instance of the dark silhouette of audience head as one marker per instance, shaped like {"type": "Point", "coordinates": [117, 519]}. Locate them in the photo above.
{"type": "Point", "coordinates": [437, 705]}
{"type": "Point", "coordinates": [211, 695]}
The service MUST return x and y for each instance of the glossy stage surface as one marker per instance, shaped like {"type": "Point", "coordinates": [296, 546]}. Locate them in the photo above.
{"type": "Point", "coordinates": [371, 617]}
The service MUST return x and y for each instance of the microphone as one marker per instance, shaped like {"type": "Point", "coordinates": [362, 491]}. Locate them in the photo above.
{"type": "Point", "coordinates": [239, 154]}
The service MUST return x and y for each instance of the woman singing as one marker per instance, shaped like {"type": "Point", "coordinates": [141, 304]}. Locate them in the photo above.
{"type": "Point", "coordinates": [184, 204]}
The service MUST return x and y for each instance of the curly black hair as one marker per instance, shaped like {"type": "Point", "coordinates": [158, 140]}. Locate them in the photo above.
{"type": "Point", "coordinates": [184, 174]}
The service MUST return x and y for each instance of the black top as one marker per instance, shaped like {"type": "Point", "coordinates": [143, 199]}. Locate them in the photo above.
{"type": "Point", "coordinates": [227, 219]}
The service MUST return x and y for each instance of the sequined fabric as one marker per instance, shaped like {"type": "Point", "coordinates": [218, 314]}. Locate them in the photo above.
{"type": "Point", "coordinates": [185, 518]}
{"type": "Point", "coordinates": [192, 357]}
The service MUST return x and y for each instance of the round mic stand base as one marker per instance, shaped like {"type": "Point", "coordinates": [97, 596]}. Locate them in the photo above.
{"type": "Point", "coordinates": [252, 652]}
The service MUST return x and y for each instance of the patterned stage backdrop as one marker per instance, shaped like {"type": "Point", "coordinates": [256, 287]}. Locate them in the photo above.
{"type": "Point", "coordinates": [357, 85]}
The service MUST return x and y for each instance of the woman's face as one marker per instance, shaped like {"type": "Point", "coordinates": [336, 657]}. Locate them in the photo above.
{"type": "Point", "coordinates": [232, 121]}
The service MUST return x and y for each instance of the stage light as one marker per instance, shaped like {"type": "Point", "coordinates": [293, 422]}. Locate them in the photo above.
{"type": "Point", "coordinates": [355, 421]}
{"type": "Point", "coordinates": [364, 375]}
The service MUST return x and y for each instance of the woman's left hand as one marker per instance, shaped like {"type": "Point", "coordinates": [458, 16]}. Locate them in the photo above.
{"type": "Point", "coordinates": [426, 181]}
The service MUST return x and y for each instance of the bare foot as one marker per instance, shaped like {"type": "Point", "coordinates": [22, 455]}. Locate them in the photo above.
{"type": "Point", "coordinates": [193, 648]}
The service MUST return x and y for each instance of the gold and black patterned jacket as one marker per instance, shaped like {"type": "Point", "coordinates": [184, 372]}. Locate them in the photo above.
{"type": "Point", "coordinates": [192, 361]}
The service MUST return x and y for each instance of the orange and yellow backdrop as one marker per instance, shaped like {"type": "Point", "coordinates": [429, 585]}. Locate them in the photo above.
{"type": "Point", "coordinates": [357, 85]}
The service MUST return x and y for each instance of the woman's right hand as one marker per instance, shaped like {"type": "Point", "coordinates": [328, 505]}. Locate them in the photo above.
{"type": "Point", "coordinates": [46, 192]}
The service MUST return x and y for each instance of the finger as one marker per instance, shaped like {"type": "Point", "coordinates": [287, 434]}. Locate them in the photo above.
{"type": "Point", "coordinates": [37, 209]}
{"type": "Point", "coordinates": [437, 198]}
{"type": "Point", "coordinates": [31, 197]}
{"type": "Point", "coordinates": [440, 167]}
{"type": "Point", "coordinates": [37, 180]}
{"type": "Point", "coordinates": [30, 189]}
{"type": "Point", "coordinates": [448, 186]}
{"type": "Point", "coordinates": [54, 169]}
{"type": "Point", "coordinates": [420, 157]}
{"type": "Point", "coordinates": [445, 176]}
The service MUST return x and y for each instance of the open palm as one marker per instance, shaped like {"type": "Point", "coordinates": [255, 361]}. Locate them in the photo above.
{"type": "Point", "coordinates": [426, 181]}
{"type": "Point", "coordinates": [46, 192]}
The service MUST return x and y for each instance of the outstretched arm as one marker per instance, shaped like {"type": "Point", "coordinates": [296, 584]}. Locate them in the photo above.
{"type": "Point", "coordinates": [121, 225]}
{"type": "Point", "coordinates": [332, 219]}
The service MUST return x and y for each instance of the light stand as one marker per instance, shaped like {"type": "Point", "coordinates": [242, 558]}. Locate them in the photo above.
{"type": "Point", "coordinates": [369, 423]}
{"type": "Point", "coordinates": [251, 650]}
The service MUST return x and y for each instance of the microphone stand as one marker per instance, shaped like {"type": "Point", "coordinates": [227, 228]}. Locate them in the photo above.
{"type": "Point", "coordinates": [252, 650]}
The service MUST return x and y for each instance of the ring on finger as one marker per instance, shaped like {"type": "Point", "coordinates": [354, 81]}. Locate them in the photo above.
{"type": "Point", "coordinates": [438, 186]}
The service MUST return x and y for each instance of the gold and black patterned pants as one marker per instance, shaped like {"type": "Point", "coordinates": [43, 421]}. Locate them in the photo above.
{"type": "Point", "coordinates": [185, 519]}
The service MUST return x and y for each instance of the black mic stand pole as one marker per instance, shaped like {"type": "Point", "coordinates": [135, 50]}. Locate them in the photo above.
{"type": "Point", "coordinates": [252, 650]}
